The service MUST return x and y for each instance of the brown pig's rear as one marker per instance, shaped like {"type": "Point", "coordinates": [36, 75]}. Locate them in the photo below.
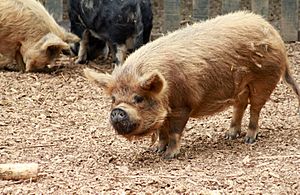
{"type": "Point", "coordinates": [232, 60]}
{"type": "Point", "coordinates": [29, 35]}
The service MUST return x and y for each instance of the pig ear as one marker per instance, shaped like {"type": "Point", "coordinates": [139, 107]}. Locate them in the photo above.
{"type": "Point", "coordinates": [153, 82]}
{"type": "Point", "coordinates": [71, 38]}
{"type": "Point", "coordinates": [52, 45]}
{"type": "Point", "coordinates": [52, 41]}
{"type": "Point", "coordinates": [103, 80]}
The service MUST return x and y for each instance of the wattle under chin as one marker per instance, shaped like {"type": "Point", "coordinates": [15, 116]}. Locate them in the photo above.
{"type": "Point", "coordinates": [125, 127]}
{"type": "Point", "coordinates": [131, 137]}
{"type": "Point", "coordinates": [138, 133]}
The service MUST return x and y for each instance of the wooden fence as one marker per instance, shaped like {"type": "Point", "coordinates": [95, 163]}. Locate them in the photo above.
{"type": "Point", "coordinates": [55, 7]}
{"type": "Point", "coordinates": [289, 20]}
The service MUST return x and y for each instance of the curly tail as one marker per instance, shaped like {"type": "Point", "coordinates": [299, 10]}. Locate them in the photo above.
{"type": "Point", "coordinates": [292, 83]}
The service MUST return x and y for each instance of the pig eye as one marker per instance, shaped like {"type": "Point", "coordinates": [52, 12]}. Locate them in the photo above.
{"type": "Point", "coordinates": [138, 99]}
{"type": "Point", "coordinates": [113, 99]}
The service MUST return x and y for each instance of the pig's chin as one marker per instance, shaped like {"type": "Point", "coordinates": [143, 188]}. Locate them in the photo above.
{"type": "Point", "coordinates": [141, 131]}
{"type": "Point", "coordinates": [125, 127]}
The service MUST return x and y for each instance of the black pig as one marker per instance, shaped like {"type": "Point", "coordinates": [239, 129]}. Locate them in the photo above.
{"type": "Point", "coordinates": [105, 25]}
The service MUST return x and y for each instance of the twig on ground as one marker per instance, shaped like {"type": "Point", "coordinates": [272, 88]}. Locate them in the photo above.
{"type": "Point", "coordinates": [45, 99]}
{"type": "Point", "coordinates": [14, 182]}
{"type": "Point", "coordinates": [276, 157]}
{"type": "Point", "coordinates": [62, 75]}
{"type": "Point", "coordinates": [40, 146]}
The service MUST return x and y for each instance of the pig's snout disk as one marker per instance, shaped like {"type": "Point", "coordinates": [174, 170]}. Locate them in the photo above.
{"type": "Point", "coordinates": [120, 121]}
{"type": "Point", "coordinates": [118, 115]}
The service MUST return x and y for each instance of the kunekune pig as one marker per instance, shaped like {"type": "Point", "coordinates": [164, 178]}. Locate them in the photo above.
{"type": "Point", "coordinates": [109, 26]}
{"type": "Point", "coordinates": [231, 60]}
{"type": "Point", "coordinates": [30, 35]}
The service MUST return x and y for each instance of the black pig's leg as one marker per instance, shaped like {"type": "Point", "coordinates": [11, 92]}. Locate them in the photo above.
{"type": "Point", "coordinates": [84, 43]}
{"type": "Point", "coordinates": [121, 53]}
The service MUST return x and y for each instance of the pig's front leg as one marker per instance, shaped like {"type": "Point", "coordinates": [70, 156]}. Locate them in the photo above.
{"type": "Point", "coordinates": [163, 138]}
{"type": "Point", "coordinates": [21, 66]}
{"type": "Point", "coordinates": [177, 123]}
{"type": "Point", "coordinates": [84, 44]}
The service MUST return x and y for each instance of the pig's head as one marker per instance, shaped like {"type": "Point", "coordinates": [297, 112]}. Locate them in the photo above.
{"type": "Point", "coordinates": [43, 52]}
{"type": "Point", "coordinates": [138, 105]}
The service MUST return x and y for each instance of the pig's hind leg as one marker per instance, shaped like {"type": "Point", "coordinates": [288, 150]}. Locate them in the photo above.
{"type": "Point", "coordinates": [239, 108]}
{"type": "Point", "coordinates": [259, 94]}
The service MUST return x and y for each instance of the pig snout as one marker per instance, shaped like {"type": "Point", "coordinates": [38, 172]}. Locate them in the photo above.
{"type": "Point", "coordinates": [118, 115]}
{"type": "Point", "coordinates": [120, 120]}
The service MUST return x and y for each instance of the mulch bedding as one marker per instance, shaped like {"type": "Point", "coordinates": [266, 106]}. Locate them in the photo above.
{"type": "Point", "coordinates": [60, 121]}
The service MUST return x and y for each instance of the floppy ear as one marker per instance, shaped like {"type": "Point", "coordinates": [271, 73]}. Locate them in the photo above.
{"type": "Point", "coordinates": [51, 40]}
{"type": "Point", "coordinates": [101, 79]}
{"type": "Point", "coordinates": [153, 82]}
{"type": "Point", "coordinates": [52, 45]}
{"type": "Point", "coordinates": [71, 38]}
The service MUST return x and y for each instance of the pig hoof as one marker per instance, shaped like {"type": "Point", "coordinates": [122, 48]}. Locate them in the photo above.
{"type": "Point", "coordinates": [231, 135]}
{"type": "Point", "coordinates": [159, 149]}
{"type": "Point", "coordinates": [81, 61]}
{"type": "Point", "coordinates": [170, 155]}
{"type": "Point", "coordinates": [249, 140]}
{"type": "Point", "coordinates": [116, 62]}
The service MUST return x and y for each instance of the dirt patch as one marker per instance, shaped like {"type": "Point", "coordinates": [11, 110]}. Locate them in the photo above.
{"type": "Point", "coordinates": [60, 121]}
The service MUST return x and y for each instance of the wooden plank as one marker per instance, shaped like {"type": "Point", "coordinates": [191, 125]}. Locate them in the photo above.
{"type": "Point", "coordinates": [260, 7]}
{"type": "Point", "coordinates": [200, 9]}
{"type": "Point", "coordinates": [160, 3]}
{"type": "Point", "coordinates": [289, 20]}
{"type": "Point", "coordinates": [230, 6]}
{"type": "Point", "coordinates": [171, 15]}
{"type": "Point", "coordinates": [55, 7]}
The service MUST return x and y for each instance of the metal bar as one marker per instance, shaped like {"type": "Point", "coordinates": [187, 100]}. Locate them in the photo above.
{"type": "Point", "coordinates": [289, 20]}
{"type": "Point", "coordinates": [260, 7]}
{"type": "Point", "coordinates": [200, 9]}
{"type": "Point", "coordinates": [230, 6]}
{"type": "Point", "coordinates": [55, 7]}
{"type": "Point", "coordinates": [171, 15]}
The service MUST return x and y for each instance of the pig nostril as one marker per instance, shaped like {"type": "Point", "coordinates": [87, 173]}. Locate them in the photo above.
{"type": "Point", "coordinates": [122, 115]}
{"type": "Point", "coordinates": [121, 121]}
{"type": "Point", "coordinates": [118, 115]}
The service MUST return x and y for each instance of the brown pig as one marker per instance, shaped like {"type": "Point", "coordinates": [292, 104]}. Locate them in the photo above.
{"type": "Point", "coordinates": [30, 35]}
{"type": "Point", "coordinates": [231, 60]}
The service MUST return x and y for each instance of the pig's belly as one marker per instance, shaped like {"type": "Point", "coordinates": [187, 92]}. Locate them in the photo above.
{"type": "Point", "coordinates": [8, 48]}
{"type": "Point", "coordinates": [210, 108]}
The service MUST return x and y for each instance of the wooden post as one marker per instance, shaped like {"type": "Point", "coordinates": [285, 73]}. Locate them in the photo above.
{"type": "Point", "coordinates": [260, 7]}
{"type": "Point", "coordinates": [19, 171]}
{"type": "Point", "coordinates": [55, 7]}
{"type": "Point", "coordinates": [289, 20]}
{"type": "Point", "coordinates": [160, 3]}
{"type": "Point", "coordinates": [230, 6]}
{"type": "Point", "coordinates": [171, 15]}
{"type": "Point", "coordinates": [200, 9]}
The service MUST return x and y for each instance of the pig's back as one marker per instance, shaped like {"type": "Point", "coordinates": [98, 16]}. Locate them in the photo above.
{"type": "Point", "coordinates": [23, 16]}
{"type": "Point", "coordinates": [216, 39]}
{"type": "Point", "coordinates": [212, 60]}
